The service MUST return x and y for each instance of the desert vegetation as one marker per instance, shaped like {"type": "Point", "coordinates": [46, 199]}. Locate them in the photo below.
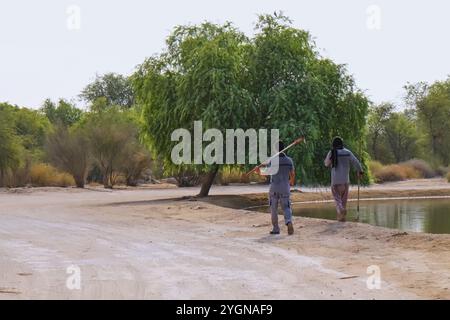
{"type": "Point", "coordinates": [62, 145]}
{"type": "Point", "coordinates": [411, 169]}
{"type": "Point", "coordinates": [215, 73]}
{"type": "Point", "coordinates": [397, 138]}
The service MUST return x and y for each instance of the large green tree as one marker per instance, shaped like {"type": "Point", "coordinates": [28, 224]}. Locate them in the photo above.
{"type": "Point", "coordinates": [199, 77]}
{"type": "Point", "coordinates": [379, 116]}
{"type": "Point", "coordinates": [110, 133]}
{"type": "Point", "coordinates": [276, 80]}
{"type": "Point", "coordinates": [432, 107]}
{"type": "Point", "coordinates": [300, 93]}
{"type": "Point", "coordinates": [402, 136]}
{"type": "Point", "coordinates": [10, 148]}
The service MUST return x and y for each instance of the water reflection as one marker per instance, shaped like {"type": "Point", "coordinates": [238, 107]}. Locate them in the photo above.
{"type": "Point", "coordinates": [431, 216]}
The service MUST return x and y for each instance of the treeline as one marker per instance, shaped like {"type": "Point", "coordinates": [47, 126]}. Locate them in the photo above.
{"type": "Point", "coordinates": [215, 73]}
{"type": "Point", "coordinates": [419, 131]}
{"type": "Point", "coordinates": [61, 145]}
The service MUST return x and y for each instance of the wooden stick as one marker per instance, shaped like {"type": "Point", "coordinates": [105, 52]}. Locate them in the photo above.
{"type": "Point", "coordinates": [299, 140]}
{"type": "Point", "coordinates": [359, 182]}
{"type": "Point", "coordinates": [357, 206]}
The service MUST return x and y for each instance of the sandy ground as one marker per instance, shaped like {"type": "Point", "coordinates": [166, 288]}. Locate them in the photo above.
{"type": "Point", "coordinates": [144, 244]}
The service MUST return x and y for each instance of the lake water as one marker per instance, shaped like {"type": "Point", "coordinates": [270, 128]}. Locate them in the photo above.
{"type": "Point", "coordinates": [430, 216]}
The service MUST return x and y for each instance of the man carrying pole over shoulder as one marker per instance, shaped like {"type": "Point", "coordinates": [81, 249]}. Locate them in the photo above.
{"type": "Point", "coordinates": [280, 182]}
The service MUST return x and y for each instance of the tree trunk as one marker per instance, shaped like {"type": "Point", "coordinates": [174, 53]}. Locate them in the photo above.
{"type": "Point", "coordinates": [79, 182]}
{"type": "Point", "coordinates": [433, 145]}
{"type": "Point", "coordinates": [131, 181]}
{"type": "Point", "coordinates": [208, 181]}
{"type": "Point", "coordinates": [374, 147]}
{"type": "Point", "coordinates": [107, 183]}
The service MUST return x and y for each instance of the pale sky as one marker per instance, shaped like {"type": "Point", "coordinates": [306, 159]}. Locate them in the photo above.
{"type": "Point", "coordinates": [42, 57]}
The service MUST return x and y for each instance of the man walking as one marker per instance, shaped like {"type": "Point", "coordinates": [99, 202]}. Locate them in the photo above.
{"type": "Point", "coordinates": [280, 192]}
{"type": "Point", "coordinates": [340, 159]}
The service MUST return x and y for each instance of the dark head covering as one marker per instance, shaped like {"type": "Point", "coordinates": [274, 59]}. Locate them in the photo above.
{"type": "Point", "coordinates": [281, 147]}
{"type": "Point", "coordinates": [338, 143]}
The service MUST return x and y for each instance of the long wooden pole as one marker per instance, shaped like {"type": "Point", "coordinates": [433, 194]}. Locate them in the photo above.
{"type": "Point", "coordinates": [298, 141]}
{"type": "Point", "coordinates": [359, 183]}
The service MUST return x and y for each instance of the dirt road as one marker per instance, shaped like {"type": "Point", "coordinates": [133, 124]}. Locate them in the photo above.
{"type": "Point", "coordinates": [138, 245]}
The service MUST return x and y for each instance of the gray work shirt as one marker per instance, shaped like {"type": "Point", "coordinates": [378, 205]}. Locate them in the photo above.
{"type": "Point", "coordinates": [340, 174]}
{"type": "Point", "coordinates": [279, 182]}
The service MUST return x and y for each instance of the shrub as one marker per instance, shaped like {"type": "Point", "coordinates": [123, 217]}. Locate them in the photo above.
{"type": "Point", "coordinates": [44, 175]}
{"type": "Point", "coordinates": [389, 173]}
{"type": "Point", "coordinates": [110, 132]}
{"type": "Point", "coordinates": [263, 179]}
{"type": "Point", "coordinates": [68, 150]}
{"type": "Point", "coordinates": [375, 166]}
{"type": "Point", "coordinates": [442, 171]}
{"type": "Point", "coordinates": [230, 175]}
{"type": "Point", "coordinates": [156, 168]}
{"type": "Point", "coordinates": [396, 172]}
{"type": "Point", "coordinates": [17, 177]}
{"type": "Point", "coordinates": [65, 180]}
{"type": "Point", "coordinates": [409, 172]}
{"type": "Point", "coordinates": [135, 164]}
{"type": "Point", "coordinates": [422, 167]}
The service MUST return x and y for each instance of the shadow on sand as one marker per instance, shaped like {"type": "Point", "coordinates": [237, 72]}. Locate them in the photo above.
{"type": "Point", "coordinates": [227, 201]}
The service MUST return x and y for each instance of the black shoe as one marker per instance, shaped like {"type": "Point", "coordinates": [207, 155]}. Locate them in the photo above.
{"type": "Point", "coordinates": [290, 228]}
{"type": "Point", "coordinates": [274, 232]}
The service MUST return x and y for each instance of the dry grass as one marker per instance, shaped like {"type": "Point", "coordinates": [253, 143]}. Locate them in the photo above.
{"type": "Point", "coordinates": [396, 172]}
{"type": "Point", "coordinates": [448, 177]}
{"type": "Point", "coordinates": [412, 169]}
{"type": "Point", "coordinates": [44, 175]}
{"type": "Point", "coordinates": [230, 175]}
{"type": "Point", "coordinates": [375, 166]}
{"type": "Point", "coordinates": [234, 175]}
{"type": "Point", "coordinates": [422, 167]}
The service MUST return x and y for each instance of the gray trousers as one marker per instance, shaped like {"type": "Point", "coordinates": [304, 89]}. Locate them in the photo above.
{"type": "Point", "coordinates": [285, 200]}
{"type": "Point", "coordinates": [340, 194]}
